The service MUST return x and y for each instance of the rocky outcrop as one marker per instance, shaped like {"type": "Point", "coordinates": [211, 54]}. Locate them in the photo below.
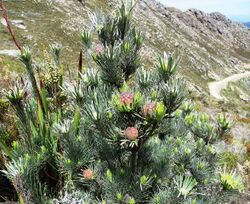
{"type": "Point", "coordinates": [211, 25]}
{"type": "Point", "coordinates": [213, 46]}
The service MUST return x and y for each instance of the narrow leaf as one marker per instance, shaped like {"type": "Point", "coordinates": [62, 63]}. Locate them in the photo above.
{"type": "Point", "coordinates": [76, 120]}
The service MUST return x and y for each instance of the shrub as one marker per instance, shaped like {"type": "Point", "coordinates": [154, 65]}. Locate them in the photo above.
{"type": "Point", "coordinates": [230, 181]}
{"type": "Point", "coordinates": [119, 134]}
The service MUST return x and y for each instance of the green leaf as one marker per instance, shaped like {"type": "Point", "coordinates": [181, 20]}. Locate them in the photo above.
{"type": "Point", "coordinates": [76, 120]}
{"type": "Point", "coordinates": [40, 114]}
{"type": "Point", "coordinates": [160, 111]}
{"type": "Point", "coordinates": [5, 149]}
{"type": "Point", "coordinates": [44, 98]}
{"type": "Point", "coordinates": [109, 175]}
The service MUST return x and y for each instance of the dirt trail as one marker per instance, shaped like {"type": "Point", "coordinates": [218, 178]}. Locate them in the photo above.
{"type": "Point", "coordinates": [216, 87]}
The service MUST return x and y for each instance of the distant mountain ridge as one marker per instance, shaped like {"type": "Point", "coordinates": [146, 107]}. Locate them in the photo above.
{"type": "Point", "coordinates": [247, 24]}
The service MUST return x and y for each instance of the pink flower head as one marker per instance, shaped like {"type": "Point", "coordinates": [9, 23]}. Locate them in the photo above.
{"type": "Point", "coordinates": [88, 174]}
{"type": "Point", "coordinates": [99, 49]}
{"type": "Point", "coordinates": [126, 98]}
{"type": "Point", "coordinates": [131, 133]}
{"type": "Point", "coordinates": [149, 109]}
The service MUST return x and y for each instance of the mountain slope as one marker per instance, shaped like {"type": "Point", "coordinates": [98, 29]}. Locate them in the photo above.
{"type": "Point", "coordinates": [212, 46]}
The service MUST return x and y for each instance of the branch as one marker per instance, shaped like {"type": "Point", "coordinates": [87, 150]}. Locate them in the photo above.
{"type": "Point", "coordinates": [5, 16]}
{"type": "Point", "coordinates": [79, 67]}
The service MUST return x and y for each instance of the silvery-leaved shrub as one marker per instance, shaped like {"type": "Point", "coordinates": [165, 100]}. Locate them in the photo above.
{"type": "Point", "coordinates": [114, 132]}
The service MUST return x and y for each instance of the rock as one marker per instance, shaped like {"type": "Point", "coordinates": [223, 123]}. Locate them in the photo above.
{"type": "Point", "coordinates": [13, 53]}
{"type": "Point", "coordinates": [3, 22]}
{"type": "Point", "coordinates": [245, 98]}
{"type": "Point", "coordinates": [19, 23]}
{"type": "Point", "coordinates": [176, 44]}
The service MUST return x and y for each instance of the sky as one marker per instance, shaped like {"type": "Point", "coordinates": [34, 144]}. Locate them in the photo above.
{"type": "Point", "coordinates": [237, 10]}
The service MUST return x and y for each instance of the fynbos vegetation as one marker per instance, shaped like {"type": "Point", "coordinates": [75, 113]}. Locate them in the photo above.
{"type": "Point", "coordinates": [114, 132]}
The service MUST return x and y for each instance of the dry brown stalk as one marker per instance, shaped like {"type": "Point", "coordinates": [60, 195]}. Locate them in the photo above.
{"type": "Point", "coordinates": [5, 16]}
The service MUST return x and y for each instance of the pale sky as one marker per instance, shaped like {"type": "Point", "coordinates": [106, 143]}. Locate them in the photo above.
{"type": "Point", "coordinates": [237, 10]}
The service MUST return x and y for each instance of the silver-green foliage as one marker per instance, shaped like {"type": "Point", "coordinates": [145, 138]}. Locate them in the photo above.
{"type": "Point", "coordinates": [111, 136]}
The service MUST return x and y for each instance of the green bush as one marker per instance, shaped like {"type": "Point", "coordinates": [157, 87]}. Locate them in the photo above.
{"type": "Point", "coordinates": [115, 133]}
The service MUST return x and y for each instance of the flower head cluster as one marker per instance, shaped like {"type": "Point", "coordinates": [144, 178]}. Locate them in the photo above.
{"type": "Point", "coordinates": [88, 174]}
{"type": "Point", "coordinates": [126, 101]}
{"type": "Point", "coordinates": [149, 109]}
{"type": "Point", "coordinates": [131, 133]}
{"type": "Point", "coordinates": [126, 98]}
{"type": "Point", "coordinates": [154, 110]}
{"type": "Point", "coordinates": [99, 49]}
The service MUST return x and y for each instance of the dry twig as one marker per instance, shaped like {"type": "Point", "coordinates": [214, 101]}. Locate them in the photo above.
{"type": "Point", "coordinates": [5, 16]}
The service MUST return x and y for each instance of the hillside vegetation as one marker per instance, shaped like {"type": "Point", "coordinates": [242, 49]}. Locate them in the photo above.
{"type": "Point", "coordinates": [211, 45]}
